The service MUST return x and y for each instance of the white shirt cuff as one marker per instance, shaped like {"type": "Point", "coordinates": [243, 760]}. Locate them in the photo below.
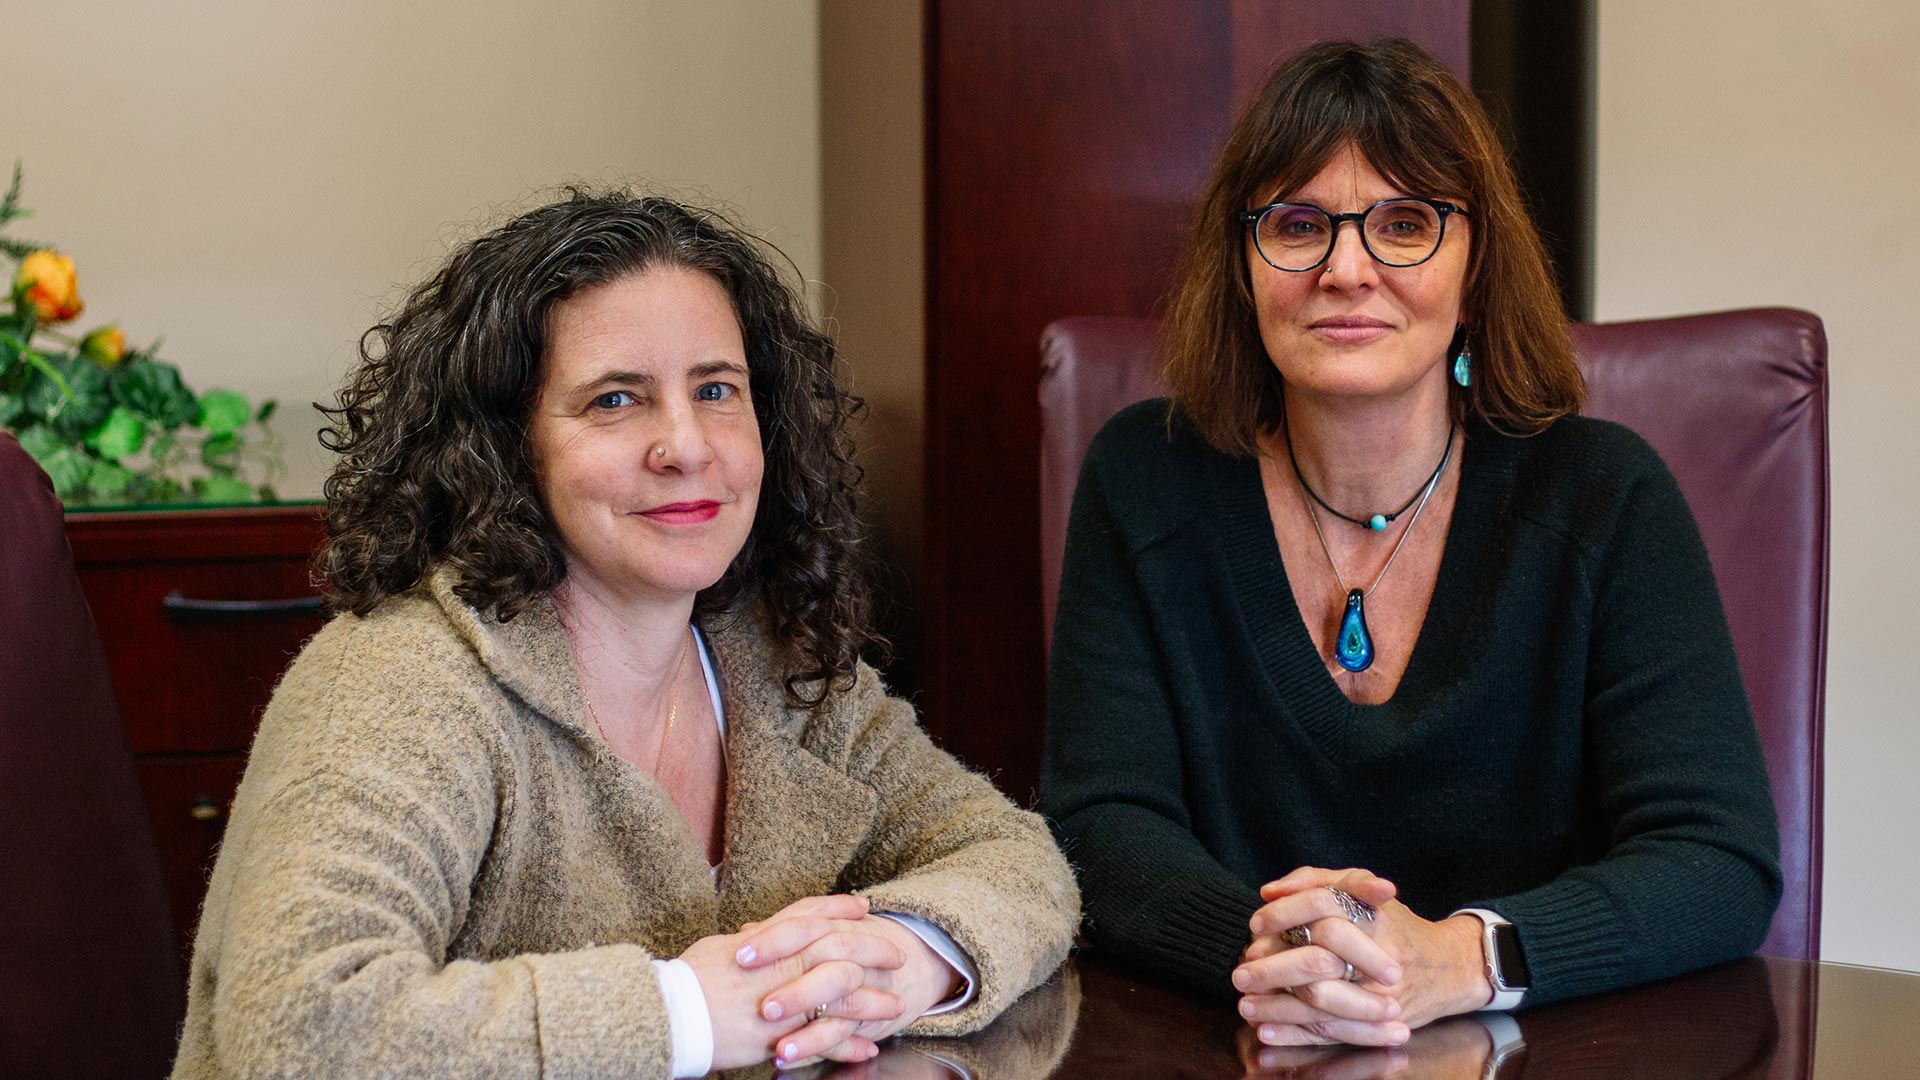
{"type": "Point", "coordinates": [943, 947]}
{"type": "Point", "coordinates": [688, 1021]}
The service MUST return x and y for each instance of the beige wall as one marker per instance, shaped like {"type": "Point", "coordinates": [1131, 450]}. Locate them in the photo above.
{"type": "Point", "coordinates": [1768, 152]}
{"type": "Point", "coordinates": [253, 181]}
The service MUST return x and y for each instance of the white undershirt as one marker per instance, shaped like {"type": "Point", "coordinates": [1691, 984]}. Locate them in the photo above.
{"type": "Point", "coordinates": [690, 1024]}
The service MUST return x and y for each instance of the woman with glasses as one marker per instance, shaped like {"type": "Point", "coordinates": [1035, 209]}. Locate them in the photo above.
{"type": "Point", "coordinates": [1384, 687]}
{"type": "Point", "coordinates": [587, 777]}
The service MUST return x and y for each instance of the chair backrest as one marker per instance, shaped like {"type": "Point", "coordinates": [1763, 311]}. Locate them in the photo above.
{"type": "Point", "coordinates": [90, 977]}
{"type": "Point", "coordinates": [1736, 403]}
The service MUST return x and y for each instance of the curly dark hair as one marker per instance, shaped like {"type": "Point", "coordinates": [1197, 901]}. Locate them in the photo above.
{"type": "Point", "coordinates": [431, 429]}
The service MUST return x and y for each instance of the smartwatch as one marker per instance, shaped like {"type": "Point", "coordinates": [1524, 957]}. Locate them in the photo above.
{"type": "Point", "coordinates": [1506, 965]}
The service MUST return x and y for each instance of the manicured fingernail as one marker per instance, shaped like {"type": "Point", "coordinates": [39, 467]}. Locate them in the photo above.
{"type": "Point", "coordinates": [1246, 1009]}
{"type": "Point", "coordinates": [1400, 1036]}
{"type": "Point", "coordinates": [1393, 1010]}
{"type": "Point", "coordinates": [1267, 1033]}
{"type": "Point", "coordinates": [1392, 974]}
{"type": "Point", "coordinates": [792, 1051]}
{"type": "Point", "coordinates": [746, 954]}
{"type": "Point", "coordinates": [1242, 980]}
{"type": "Point", "coordinates": [772, 1010]}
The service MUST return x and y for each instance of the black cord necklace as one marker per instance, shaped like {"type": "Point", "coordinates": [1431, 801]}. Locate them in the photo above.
{"type": "Point", "coordinates": [1374, 522]}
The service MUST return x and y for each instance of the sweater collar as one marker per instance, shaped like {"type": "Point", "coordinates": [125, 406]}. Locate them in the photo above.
{"type": "Point", "coordinates": [530, 657]}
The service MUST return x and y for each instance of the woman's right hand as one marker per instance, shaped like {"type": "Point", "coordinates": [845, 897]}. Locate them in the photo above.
{"type": "Point", "coordinates": [738, 996]}
{"type": "Point", "coordinates": [1297, 996]}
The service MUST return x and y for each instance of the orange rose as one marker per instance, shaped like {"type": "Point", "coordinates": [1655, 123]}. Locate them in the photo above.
{"type": "Point", "coordinates": [105, 346]}
{"type": "Point", "coordinates": [52, 287]}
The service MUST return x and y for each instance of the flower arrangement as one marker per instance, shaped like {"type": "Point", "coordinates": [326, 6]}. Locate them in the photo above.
{"type": "Point", "coordinates": [109, 423]}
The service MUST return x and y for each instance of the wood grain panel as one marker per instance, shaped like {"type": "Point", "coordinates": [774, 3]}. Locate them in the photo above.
{"type": "Point", "coordinates": [188, 799]}
{"type": "Point", "coordinates": [1066, 141]}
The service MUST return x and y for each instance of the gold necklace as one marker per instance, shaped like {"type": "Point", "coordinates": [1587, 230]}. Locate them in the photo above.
{"type": "Point", "coordinates": [673, 711]}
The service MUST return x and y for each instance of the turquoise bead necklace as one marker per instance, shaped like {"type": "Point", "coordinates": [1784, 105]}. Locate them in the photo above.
{"type": "Point", "coordinates": [1354, 646]}
{"type": "Point", "coordinates": [1376, 522]}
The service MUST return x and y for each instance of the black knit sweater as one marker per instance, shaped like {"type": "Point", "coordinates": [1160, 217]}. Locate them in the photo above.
{"type": "Point", "coordinates": [1570, 745]}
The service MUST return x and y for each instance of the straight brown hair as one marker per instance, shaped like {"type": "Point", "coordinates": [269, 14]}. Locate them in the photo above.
{"type": "Point", "coordinates": [1414, 123]}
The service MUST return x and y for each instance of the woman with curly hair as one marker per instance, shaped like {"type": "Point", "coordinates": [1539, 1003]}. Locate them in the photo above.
{"type": "Point", "coordinates": [587, 777]}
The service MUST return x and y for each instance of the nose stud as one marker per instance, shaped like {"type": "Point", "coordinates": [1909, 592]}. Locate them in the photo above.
{"type": "Point", "coordinates": [659, 449]}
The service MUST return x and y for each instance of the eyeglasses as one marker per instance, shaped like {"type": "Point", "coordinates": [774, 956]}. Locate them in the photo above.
{"type": "Point", "coordinates": [1296, 237]}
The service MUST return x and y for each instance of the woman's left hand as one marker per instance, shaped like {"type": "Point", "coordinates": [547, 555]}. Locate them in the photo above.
{"type": "Point", "coordinates": [923, 981]}
{"type": "Point", "coordinates": [1439, 964]}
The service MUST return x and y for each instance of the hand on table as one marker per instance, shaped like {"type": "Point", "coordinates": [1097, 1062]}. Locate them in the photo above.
{"type": "Point", "coordinates": [1409, 971]}
{"type": "Point", "coordinates": [873, 975]}
{"type": "Point", "coordinates": [747, 1031]}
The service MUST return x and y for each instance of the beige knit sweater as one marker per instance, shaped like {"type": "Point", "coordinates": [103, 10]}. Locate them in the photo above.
{"type": "Point", "coordinates": [433, 868]}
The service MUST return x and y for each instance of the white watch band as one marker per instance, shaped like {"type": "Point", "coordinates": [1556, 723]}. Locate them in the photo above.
{"type": "Point", "coordinates": [1503, 1000]}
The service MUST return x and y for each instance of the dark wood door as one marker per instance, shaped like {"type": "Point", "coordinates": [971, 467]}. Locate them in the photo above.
{"type": "Point", "coordinates": [1067, 142]}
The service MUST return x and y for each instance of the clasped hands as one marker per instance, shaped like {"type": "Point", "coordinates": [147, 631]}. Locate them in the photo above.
{"type": "Point", "coordinates": [1407, 971]}
{"type": "Point", "coordinates": [868, 976]}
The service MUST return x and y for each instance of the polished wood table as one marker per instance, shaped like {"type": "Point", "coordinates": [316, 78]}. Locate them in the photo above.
{"type": "Point", "coordinates": [1759, 1018]}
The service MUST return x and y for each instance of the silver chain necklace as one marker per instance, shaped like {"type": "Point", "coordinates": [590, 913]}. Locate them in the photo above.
{"type": "Point", "coordinates": [1353, 648]}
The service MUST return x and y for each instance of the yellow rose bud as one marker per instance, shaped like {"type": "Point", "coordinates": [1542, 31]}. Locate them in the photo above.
{"type": "Point", "coordinates": [105, 346]}
{"type": "Point", "coordinates": [52, 287]}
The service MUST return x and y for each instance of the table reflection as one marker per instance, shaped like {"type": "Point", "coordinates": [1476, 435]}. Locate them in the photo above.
{"type": "Point", "coordinates": [1751, 1018]}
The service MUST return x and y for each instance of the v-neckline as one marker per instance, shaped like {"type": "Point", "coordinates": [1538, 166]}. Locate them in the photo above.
{"type": "Point", "coordinates": [1278, 630]}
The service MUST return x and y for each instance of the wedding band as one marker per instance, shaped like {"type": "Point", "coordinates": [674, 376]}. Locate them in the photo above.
{"type": "Point", "coordinates": [1351, 975]}
{"type": "Point", "coordinates": [821, 1010]}
{"type": "Point", "coordinates": [1356, 911]}
{"type": "Point", "coordinates": [1298, 937]}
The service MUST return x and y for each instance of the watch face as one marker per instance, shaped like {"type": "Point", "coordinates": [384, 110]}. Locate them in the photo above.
{"type": "Point", "coordinates": [1513, 964]}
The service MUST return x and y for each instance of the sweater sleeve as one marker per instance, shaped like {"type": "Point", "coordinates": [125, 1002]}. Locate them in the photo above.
{"type": "Point", "coordinates": [345, 876]}
{"type": "Point", "coordinates": [949, 848]}
{"type": "Point", "coordinates": [1691, 873]}
{"type": "Point", "coordinates": [1111, 778]}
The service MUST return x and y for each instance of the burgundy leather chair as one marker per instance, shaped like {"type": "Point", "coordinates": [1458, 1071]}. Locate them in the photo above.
{"type": "Point", "coordinates": [1736, 403]}
{"type": "Point", "coordinates": [90, 980]}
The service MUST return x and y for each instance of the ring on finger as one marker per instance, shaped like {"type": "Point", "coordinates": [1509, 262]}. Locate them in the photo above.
{"type": "Point", "coordinates": [1351, 975]}
{"type": "Point", "coordinates": [820, 1010]}
{"type": "Point", "coordinates": [1356, 911]}
{"type": "Point", "coordinates": [1298, 937]}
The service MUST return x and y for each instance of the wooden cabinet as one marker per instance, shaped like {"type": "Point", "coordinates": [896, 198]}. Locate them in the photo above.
{"type": "Point", "coordinates": [200, 612]}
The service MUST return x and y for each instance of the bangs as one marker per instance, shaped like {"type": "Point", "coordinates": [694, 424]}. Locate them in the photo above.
{"type": "Point", "coordinates": [1408, 133]}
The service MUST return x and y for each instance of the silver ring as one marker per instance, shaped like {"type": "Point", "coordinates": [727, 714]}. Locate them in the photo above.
{"type": "Point", "coordinates": [1356, 911]}
{"type": "Point", "coordinates": [1298, 937]}
{"type": "Point", "coordinates": [1351, 975]}
{"type": "Point", "coordinates": [820, 1010]}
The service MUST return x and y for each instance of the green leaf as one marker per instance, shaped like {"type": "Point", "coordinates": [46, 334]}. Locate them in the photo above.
{"type": "Point", "coordinates": [119, 435]}
{"type": "Point", "coordinates": [222, 489]}
{"type": "Point", "coordinates": [266, 410]}
{"type": "Point", "coordinates": [108, 481]}
{"type": "Point", "coordinates": [66, 464]}
{"type": "Point", "coordinates": [223, 412]}
{"type": "Point", "coordinates": [216, 449]}
{"type": "Point", "coordinates": [82, 406]}
{"type": "Point", "coordinates": [39, 443]}
{"type": "Point", "coordinates": [162, 446]}
{"type": "Point", "coordinates": [155, 391]}
{"type": "Point", "coordinates": [11, 406]}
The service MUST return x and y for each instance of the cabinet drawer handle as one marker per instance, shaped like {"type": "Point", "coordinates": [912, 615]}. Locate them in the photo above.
{"type": "Point", "coordinates": [205, 809]}
{"type": "Point", "coordinates": [185, 607]}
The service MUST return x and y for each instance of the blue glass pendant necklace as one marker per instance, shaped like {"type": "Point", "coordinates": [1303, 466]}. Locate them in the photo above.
{"type": "Point", "coordinates": [1354, 646]}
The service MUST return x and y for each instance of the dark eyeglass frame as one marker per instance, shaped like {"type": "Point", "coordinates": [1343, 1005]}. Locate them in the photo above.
{"type": "Point", "coordinates": [1445, 209]}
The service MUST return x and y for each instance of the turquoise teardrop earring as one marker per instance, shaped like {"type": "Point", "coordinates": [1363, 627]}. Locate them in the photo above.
{"type": "Point", "coordinates": [1463, 366]}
